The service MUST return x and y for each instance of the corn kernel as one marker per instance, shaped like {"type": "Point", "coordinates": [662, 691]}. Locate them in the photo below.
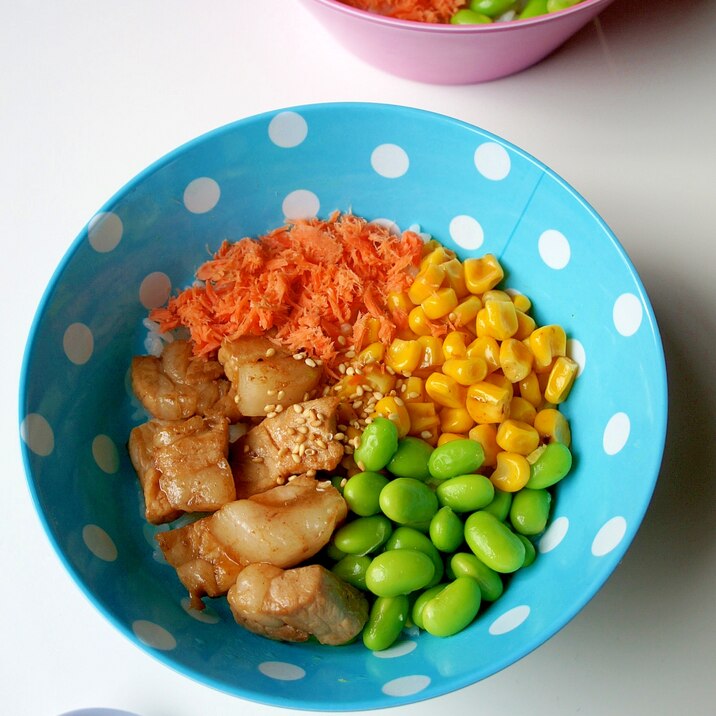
{"type": "Point", "coordinates": [486, 435]}
{"type": "Point", "coordinates": [516, 436]}
{"type": "Point", "coordinates": [398, 302]}
{"type": "Point", "coordinates": [432, 354]}
{"type": "Point", "coordinates": [438, 255]}
{"type": "Point", "coordinates": [522, 410]}
{"type": "Point", "coordinates": [530, 390]}
{"type": "Point", "coordinates": [347, 386]}
{"type": "Point", "coordinates": [395, 411]}
{"type": "Point", "coordinates": [465, 371]}
{"type": "Point", "coordinates": [423, 420]}
{"type": "Point", "coordinates": [371, 335]}
{"type": "Point", "coordinates": [525, 325]}
{"type": "Point", "coordinates": [497, 319]}
{"type": "Point", "coordinates": [511, 472]}
{"type": "Point", "coordinates": [455, 277]}
{"type": "Point", "coordinates": [515, 360]}
{"type": "Point", "coordinates": [561, 379]}
{"type": "Point", "coordinates": [455, 420]}
{"type": "Point", "coordinates": [372, 353]}
{"type": "Point", "coordinates": [377, 380]}
{"type": "Point", "coordinates": [482, 274]}
{"type": "Point", "coordinates": [455, 345]}
{"type": "Point", "coordinates": [552, 425]}
{"type": "Point", "coordinates": [501, 381]}
{"type": "Point", "coordinates": [414, 390]}
{"type": "Point", "coordinates": [418, 322]}
{"type": "Point", "coordinates": [488, 349]}
{"type": "Point", "coordinates": [430, 246]}
{"type": "Point", "coordinates": [404, 356]}
{"type": "Point", "coordinates": [465, 312]}
{"type": "Point", "coordinates": [543, 379]}
{"type": "Point", "coordinates": [440, 303]}
{"type": "Point", "coordinates": [426, 282]}
{"type": "Point", "coordinates": [445, 390]}
{"type": "Point", "coordinates": [522, 303]}
{"type": "Point", "coordinates": [449, 437]}
{"type": "Point", "coordinates": [548, 343]}
{"type": "Point", "coordinates": [495, 294]}
{"type": "Point", "coordinates": [488, 403]}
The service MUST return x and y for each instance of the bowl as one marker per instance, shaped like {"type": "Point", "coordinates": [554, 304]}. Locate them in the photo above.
{"type": "Point", "coordinates": [451, 54]}
{"type": "Point", "coordinates": [478, 194]}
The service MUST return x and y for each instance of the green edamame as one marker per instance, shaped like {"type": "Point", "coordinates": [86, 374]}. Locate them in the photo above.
{"type": "Point", "coordinates": [409, 538]}
{"type": "Point", "coordinates": [492, 8]}
{"type": "Point", "coordinates": [530, 551]}
{"type": "Point", "coordinates": [408, 501]}
{"type": "Point", "coordinates": [466, 493]}
{"type": "Point", "coordinates": [548, 465]}
{"type": "Point", "coordinates": [464, 564]}
{"type": "Point", "coordinates": [377, 444]}
{"type": "Point", "coordinates": [446, 530]}
{"type": "Point", "coordinates": [363, 535]}
{"type": "Point", "coordinates": [453, 608]}
{"type": "Point", "coordinates": [530, 511]}
{"type": "Point", "coordinates": [387, 619]}
{"type": "Point", "coordinates": [411, 459]}
{"type": "Point", "coordinates": [534, 8]}
{"type": "Point", "coordinates": [421, 601]}
{"type": "Point", "coordinates": [362, 493]}
{"type": "Point", "coordinates": [399, 571]}
{"type": "Point", "coordinates": [458, 457]}
{"type": "Point", "coordinates": [500, 505]}
{"type": "Point", "coordinates": [557, 5]}
{"type": "Point", "coordinates": [494, 542]}
{"type": "Point", "coordinates": [333, 553]}
{"type": "Point", "coordinates": [469, 17]}
{"type": "Point", "coordinates": [352, 569]}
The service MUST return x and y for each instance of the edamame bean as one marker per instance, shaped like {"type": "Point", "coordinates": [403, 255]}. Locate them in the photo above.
{"type": "Point", "coordinates": [530, 511]}
{"type": "Point", "coordinates": [453, 608]}
{"type": "Point", "coordinates": [466, 493]}
{"type": "Point", "coordinates": [409, 538]}
{"type": "Point", "coordinates": [362, 492]}
{"type": "Point", "coordinates": [399, 571]}
{"type": "Point", "coordinates": [548, 465]}
{"type": "Point", "coordinates": [500, 505]}
{"type": "Point", "coordinates": [408, 501]}
{"type": "Point", "coordinates": [421, 601]}
{"type": "Point", "coordinates": [494, 542]}
{"type": "Point", "coordinates": [469, 17]}
{"type": "Point", "coordinates": [411, 459]}
{"type": "Point", "coordinates": [387, 619]}
{"type": "Point", "coordinates": [557, 5]}
{"type": "Point", "coordinates": [363, 535]}
{"type": "Point", "coordinates": [530, 551]}
{"type": "Point", "coordinates": [446, 530]}
{"type": "Point", "coordinates": [377, 444]}
{"type": "Point", "coordinates": [352, 569]}
{"type": "Point", "coordinates": [464, 564]}
{"type": "Point", "coordinates": [492, 8]}
{"type": "Point", "coordinates": [534, 8]}
{"type": "Point", "coordinates": [458, 457]}
{"type": "Point", "coordinates": [333, 553]}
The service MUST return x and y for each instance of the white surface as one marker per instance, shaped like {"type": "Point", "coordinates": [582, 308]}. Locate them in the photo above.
{"type": "Point", "coordinates": [91, 93]}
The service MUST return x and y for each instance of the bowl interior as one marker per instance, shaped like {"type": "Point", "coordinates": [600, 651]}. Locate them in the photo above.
{"type": "Point", "coordinates": [474, 192]}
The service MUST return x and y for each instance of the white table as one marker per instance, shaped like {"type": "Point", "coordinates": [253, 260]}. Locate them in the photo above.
{"type": "Point", "coordinates": [92, 92]}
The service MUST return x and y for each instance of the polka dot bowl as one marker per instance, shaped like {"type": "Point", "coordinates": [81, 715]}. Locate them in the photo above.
{"type": "Point", "coordinates": [477, 194]}
{"type": "Point", "coordinates": [451, 54]}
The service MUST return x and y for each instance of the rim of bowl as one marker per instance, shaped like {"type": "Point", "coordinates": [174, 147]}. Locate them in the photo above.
{"type": "Point", "coordinates": [241, 691]}
{"type": "Point", "coordinates": [440, 28]}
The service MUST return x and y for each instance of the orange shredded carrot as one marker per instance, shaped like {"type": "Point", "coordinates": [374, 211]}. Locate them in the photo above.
{"type": "Point", "coordinates": [417, 10]}
{"type": "Point", "coordinates": [306, 283]}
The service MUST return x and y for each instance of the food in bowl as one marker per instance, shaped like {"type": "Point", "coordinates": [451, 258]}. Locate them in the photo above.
{"type": "Point", "coordinates": [364, 428]}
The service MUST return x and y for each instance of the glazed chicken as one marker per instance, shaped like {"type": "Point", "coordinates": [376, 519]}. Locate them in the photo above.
{"type": "Point", "coordinates": [293, 604]}
{"type": "Point", "coordinates": [295, 441]}
{"type": "Point", "coordinates": [182, 466]}
{"type": "Point", "coordinates": [283, 526]}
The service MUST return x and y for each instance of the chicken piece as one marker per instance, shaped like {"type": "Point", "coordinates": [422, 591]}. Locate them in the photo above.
{"type": "Point", "coordinates": [296, 441]}
{"type": "Point", "coordinates": [179, 385]}
{"type": "Point", "coordinates": [283, 526]}
{"type": "Point", "coordinates": [293, 604]}
{"type": "Point", "coordinates": [265, 374]}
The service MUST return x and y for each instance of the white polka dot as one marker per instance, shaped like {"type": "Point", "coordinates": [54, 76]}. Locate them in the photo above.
{"type": "Point", "coordinates": [609, 536]}
{"type": "Point", "coordinates": [154, 290]}
{"type": "Point", "coordinates": [206, 615]}
{"type": "Point", "coordinates": [301, 204]}
{"type": "Point", "coordinates": [153, 635]}
{"type": "Point", "coordinates": [466, 232]}
{"type": "Point", "coordinates": [400, 649]}
{"type": "Point", "coordinates": [104, 231]}
{"type": "Point", "coordinates": [105, 454]}
{"type": "Point", "coordinates": [627, 314]}
{"type": "Point", "coordinates": [492, 161]}
{"type": "Point", "coordinates": [510, 620]}
{"type": "Point", "coordinates": [201, 195]}
{"type": "Point", "coordinates": [287, 129]}
{"type": "Point", "coordinates": [37, 434]}
{"type": "Point", "coordinates": [390, 161]}
{"type": "Point", "coordinates": [281, 671]}
{"type": "Point", "coordinates": [575, 350]}
{"type": "Point", "coordinates": [78, 343]}
{"type": "Point", "coordinates": [99, 543]}
{"type": "Point", "coordinates": [616, 433]}
{"type": "Point", "coordinates": [388, 224]}
{"type": "Point", "coordinates": [406, 685]}
{"type": "Point", "coordinates": [554, 534]}
{"type": "Point", "coordinates": [554, 249]}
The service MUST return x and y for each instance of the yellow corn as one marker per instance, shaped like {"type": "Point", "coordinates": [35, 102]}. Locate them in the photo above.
{"type": "Point", "coordinates": [378, 380]}
{"type": "Point", "coordinates": [465, 312]}
{"type": "Point", "coordinates": [418, 322]}
{"type": "Point", "coordinates": [455, 345]}
{"type": "Point", "coordinates": [530, 389]}
{"type": "Point", "coordinates": [516, 436]}
{"type": "Point", "coordinates": [483, 273]}
{"type": "Point", "coordinates": [440, 303]}
{"type": "Point", "coordinates": [432, 354]}
{"type": "Point", "coordinates": [394, 409]}
{"type": "Point", "coordinates": [511, 472]}
{"type": "Point", "coordinates": [438, 255]}
{"type": "Point", "coordinates": [445, 390]}
{"type": "Point", "coordinates": [426, 282]}
{"type": "Point", "coordinates": [495, 294]}
{"type": "Point", "coordinates": [430, 246]}
{"type": "Point", "coordinates": [455, 420]}
{"type": "Point", "coordinates": [372, 353]}
{"type": "Point", "coordinates": [522, 303]}
{"type": "Point", "coordinates": [414, 390]}
{"type": "Point", "coordinates": [465, 371]}
{"type": "Point", "coordinates": [371, 335]}
{"type": "Point", "coordinates": [501, 381]}
{"type": "Point", "coordinates": [404, 356]}
{"type": "Point", "coordinates": [488, 349]}
{"type": "Point", "coordinates": [522, 410]}
{"type": "Point", "coordinates": [561, 379]}
{"type": "Point", "coordinates": [497, 319]}
{"type": "Point", "coordinates": [488, 403]}
{"type": "Point", "coordinates": [455, 277]}
{"type": "Point", "coordinates": [346, 387]}
{"type": "Point", "coordinates": [515, 360]}
{"type": "Point", "coordinates": [486, 435]}
{"type": "Point", "coordinates": [552, 425]}
{"type": "Point", "coordinates": [543, 378]}
{"type": "Point", "coordinates": [424, 421]}
{"type": "Point", "coordinates": [449, 437]}
{"type": "Point", "coordinates": [525, 324]}
{"type": "Point", "coordinates": [547, 343]}
{"type": "Point", "coordinates": [399, 302]}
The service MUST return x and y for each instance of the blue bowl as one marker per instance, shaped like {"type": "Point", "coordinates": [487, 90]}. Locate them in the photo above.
{"type": "Point", "coordinates": [468, 188]}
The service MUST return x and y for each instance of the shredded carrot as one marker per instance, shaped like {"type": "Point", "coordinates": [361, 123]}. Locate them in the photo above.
{"type": "Point", "coordinates": [416, 10]}
{"type": "Point", "coordinates": [305, 284]}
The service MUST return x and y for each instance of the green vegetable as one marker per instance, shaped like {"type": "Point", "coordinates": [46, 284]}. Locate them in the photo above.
{"type": "Point", "coordinates": [458, 457]}
{"type": "Point", "coordinates": [548, 465]}
{"type": "Point", "coordinates": [399, 571]}
{"type": "Point", "coordinates": [530, 551]}
{"type": "Point", "coordinates": [446, 530]}
{"type": "Point", "coordinates": [534, 8]}
{"type": "Point", "coordinates": [494, 543]}
{"type": "Point", "coordinates": [492, 8]}
{"type": "Point", "coordinates": [453, 608]}
{"type": "Point", "coordinates": [500, 505]}
{"type": "Point", "coordinates": [530, 511]}
{"type": "Point", "coordinates": [363, 535]}
{"type": "Point", "coordinates": [409, 538]}
{"type": "Point", "coordinates": [466, 493]}
{"type": "Point", "coordinates": [411, 459]}
{"type": "Point", "coordinates": [464, 564]}
{"type": "Point", "coordinates": [408, 501]}
{"type": "Point", "coordinates": [387, 619]}
{"type": "Point", "coordinates": [378, 443]}
{"type": "Point", "coordinates": [421, 601]}
{"type": "Point", "coordinates": [362, 492]}
{"type": "Point", "coordinates": [352, 569]}
{"type": "Point", "coordinates": [557, 5]}
{"type": "Point", "coordinates": [469, 17]}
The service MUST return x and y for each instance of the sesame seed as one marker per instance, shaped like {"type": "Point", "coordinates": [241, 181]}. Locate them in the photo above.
{"type": "Point", "coordinates": [306, 396]}
{"type": "Point", "coordinates": [412, 395]}
{"type": "Point", "coordinates": [426, 434]}
{"type": "Point", "coordinates": [339, 436]}
{"type": "Point", "coordinates": [271, 391]}
{"type": "Point", "coordinates": [357, 404]}
{"type": "Point", "coordinates": [296, 459]}
{"type": "Point", "coordinates": [393, 416]}
{"type": "Point", "coordinates": [281, 394]}
{"type": "Point", "coordinates": [302, 449]}
{"type": "Point", "coordinates": [348, 450]}
{"type": "Point", "coordinates": [270, 352]}
{"type": "Point", "coordinates": [359, 391]}
{"type": "Point", "coordinates": [368, 421]}
{"type": "Point", "coordinates": [310, 452]}
{"type": "Point", "coordinates": [390, 370]}
{"type": "Point", "coordinates": [399, 401]}
{"type": "Point", "coordinates": [246, 448]}
{"type": "Point", "coordinates": [326, 390]}
{"type": "Point", "coordinates": [350, 354]}
{"type": "Point", "coordinates": [321, 444]}
{"type": "Point", "coordinates": [359, 371]}
{"type": "Point", "coordinates": [361, 465]}
{"type": "Point", "coordinates": [343, 481]}
{"type": "Point", "coordinates": [341, 340]}
{"type": "Point", "coordinates": [294, 450]}
{"type": "Point", "coordinates": [350, 370]}
{"type": "Point", "coordinates": [297, 408]}
{"type": "Point", "coordinates": [341, 369]}
{"type": "Point", "coordinates": [452, 316]}
{"type": "Point", "coordinates": [310, 473]}
{"type": "Point", "coordinates": [299, 356]}
{"type": "Point", "coordinates": [310, 362]}
{"type": "Point", "coordinates": [301, 439]}
{"type": "Point", "coordinates": [378, 395]}
{"type": "Point", "coordinates": [257, 459]}
{"type": "Point", "coordinates": [407, 373]}
{"type": "Point", "coordinates": [315, 423]}
{"type": "Point", "coordinates": [403, 387]}
{"type": "Point", "coordinates": [368, 360]}
{"type": "Point", "coordinates": [303, 430]}
{"type": "Point", "coordinates": [272, 414]}
{"type": "Point", "coordinates": [342, 428]}
{"type": "Point", "coordinates": [279, 408]}
{"type": "Point", "coordinates": [269, 408]}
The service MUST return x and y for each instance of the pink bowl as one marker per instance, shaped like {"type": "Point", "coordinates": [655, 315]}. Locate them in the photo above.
{"type": "Point", "coordinates": [451, 54]}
